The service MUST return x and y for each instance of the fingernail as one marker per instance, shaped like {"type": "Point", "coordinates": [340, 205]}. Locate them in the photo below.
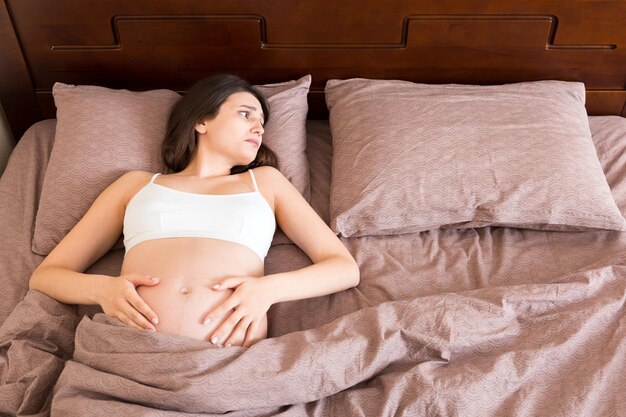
{"type": "Point", "coordinates": [215, 340]}
{"type": "Point", "coordinates": [155, 279]}
{"type": "Point", "coordinates": [155, 320]}
{"type": "Point", "coordinates": [216, 286]}
{"type": "Point", "coordinates": [207, 320]}
{"type": "Point", "coordinates": [229, 344]}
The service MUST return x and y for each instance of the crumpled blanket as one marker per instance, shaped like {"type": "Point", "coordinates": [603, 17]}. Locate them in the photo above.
{"type": "Point", "coordinates": [35, 341]}
{"type": "Point", "coordinates": [556, 349]}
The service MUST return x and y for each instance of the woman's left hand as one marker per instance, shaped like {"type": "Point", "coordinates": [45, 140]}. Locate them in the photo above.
{"type": "Point", "coordinates": [248, 305]}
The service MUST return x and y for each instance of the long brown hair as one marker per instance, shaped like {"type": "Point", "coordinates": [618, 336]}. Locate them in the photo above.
{"type": "Point", "coordinates": [203, 101]}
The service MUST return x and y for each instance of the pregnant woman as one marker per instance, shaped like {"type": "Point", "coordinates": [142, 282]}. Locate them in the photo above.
{"type": "Point", "coordinates": [196, 237]}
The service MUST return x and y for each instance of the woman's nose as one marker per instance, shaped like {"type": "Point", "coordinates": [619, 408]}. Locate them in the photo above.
{"type": "Point", "coordinates": [258, 128]}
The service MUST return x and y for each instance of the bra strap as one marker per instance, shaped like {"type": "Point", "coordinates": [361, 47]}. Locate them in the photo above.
{"type": "Point", "coordinates": [256, 188]}
{"type": "Point", "coordinates": [154, 177]}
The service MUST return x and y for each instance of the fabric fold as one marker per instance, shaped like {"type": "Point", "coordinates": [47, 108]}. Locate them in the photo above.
{"type": "Point", "coordinates": [480, 349]}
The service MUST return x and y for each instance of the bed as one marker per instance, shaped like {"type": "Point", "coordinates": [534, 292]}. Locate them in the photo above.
{"type": "Point", "coordinates": [469, 155]}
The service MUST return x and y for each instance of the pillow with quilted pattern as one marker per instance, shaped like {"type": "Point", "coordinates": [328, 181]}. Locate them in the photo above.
{"type": "Point", "coordinates": [102, 133]}
{"type": "Point", "coordinates": [412, 157]}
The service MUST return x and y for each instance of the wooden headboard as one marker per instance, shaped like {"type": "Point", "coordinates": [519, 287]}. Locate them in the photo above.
{"type": "Point", "coordinates": [146, 44]}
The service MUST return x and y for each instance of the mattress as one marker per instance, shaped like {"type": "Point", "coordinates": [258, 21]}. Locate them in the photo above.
{"type": "Point", "coordinates": [492, 321]}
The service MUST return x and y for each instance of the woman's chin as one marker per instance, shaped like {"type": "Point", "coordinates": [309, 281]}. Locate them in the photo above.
{"type": "Point", "coordinates": [247, 161]}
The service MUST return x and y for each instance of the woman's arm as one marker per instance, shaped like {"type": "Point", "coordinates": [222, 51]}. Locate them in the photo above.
{"type": "Point", "coordinates": [334, 269]}
{"type": "Point", "coordinates": [61, 276]}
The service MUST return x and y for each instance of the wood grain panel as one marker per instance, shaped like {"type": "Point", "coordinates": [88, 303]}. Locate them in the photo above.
{"type": "Point", "coordinates": [17, 94]}
{"type": "Point", "coordinates": [172, 43]}
{"type": "Point", "coordinates": [442, 48]}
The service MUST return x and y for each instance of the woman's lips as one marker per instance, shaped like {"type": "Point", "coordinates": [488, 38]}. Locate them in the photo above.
{"type": "Point", "coordinates": [253, 141]}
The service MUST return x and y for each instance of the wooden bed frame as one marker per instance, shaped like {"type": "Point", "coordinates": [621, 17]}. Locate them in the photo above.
{"type": "Point", "coordinates": [142, 45]}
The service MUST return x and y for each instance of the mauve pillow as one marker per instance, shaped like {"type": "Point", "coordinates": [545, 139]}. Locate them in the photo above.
{"type": "Point", "coordinates": [410, 157]}
{"type": "Point", "coordinates": [102, 133]}
{"type": "Point", "coordinates": [609, 138]}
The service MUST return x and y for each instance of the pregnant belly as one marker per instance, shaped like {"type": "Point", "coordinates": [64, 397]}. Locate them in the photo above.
{"type": "Point", "coordinates": [181, 309]}
{"type": "Point", "coordinates": [188, 268]}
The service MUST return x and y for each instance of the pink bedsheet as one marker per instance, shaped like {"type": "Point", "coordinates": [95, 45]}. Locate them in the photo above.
{"type": "Point", "coordinates": [486, 322]}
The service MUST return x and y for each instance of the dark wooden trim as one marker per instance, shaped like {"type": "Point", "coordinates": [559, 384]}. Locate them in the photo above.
{"type": "Point", "coordinates": [172, 43]}
{"type": "Point", "coordinates": [601, 102]}
{"type": "Point", "coordinates": [17, 93]}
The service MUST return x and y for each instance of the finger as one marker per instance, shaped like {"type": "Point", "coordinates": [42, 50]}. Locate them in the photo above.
{"type": "Point", "coordinates": [223, 308]}
{"type": "Point", "coordinates": [137, 280]}
{"type": "Point", "coordinates": [140, 305]}
{"type": "Point", "coordinates": [229, 283]}
{"type": "Point", "coordinates": [238, 335]}
{"type": "Point", "coordinates": [252, 334]}
{"type": "Point", "coordinates": [126, 320]}
{"type": "Point", "coordinates": [138, 318]}
{"type": "Point", "coordinates": [225, 329]}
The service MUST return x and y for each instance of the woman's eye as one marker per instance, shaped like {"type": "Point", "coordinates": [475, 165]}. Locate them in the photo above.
{"type": "Point", "coordinates": [244, 113]}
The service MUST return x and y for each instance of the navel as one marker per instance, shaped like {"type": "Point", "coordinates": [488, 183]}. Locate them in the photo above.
{"type": "Point", "coordinates": [184, 290]}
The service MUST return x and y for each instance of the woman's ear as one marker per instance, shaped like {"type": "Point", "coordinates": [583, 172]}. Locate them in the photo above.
{"type": "Point", "coordinates": [201, 128]}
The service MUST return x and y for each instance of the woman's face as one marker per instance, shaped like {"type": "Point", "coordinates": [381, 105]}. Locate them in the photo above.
{"type": "Point", "coordinates": [236, 131]}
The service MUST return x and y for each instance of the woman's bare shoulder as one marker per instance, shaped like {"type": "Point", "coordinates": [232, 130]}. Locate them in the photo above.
{"type": "Point", "coordinates": [131, 179]}
{"type": "Point", "coordinates": [135, 176]}
{"type": "Point", "coordinates": [130, 182]}
{"type": "Point", "coordinates": [269, 175]}
{"type": "Point", "coordinates": [275, 184]}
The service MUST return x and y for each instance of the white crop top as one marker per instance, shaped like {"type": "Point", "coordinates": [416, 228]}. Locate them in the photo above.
{"type": "Point", "coordinates": [157, 212]}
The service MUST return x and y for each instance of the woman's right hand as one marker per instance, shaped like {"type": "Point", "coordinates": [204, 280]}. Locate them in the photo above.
{"type": "Point", "coordinates": [119, 298]}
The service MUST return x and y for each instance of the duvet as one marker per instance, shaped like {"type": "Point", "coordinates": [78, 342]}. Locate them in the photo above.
{"type": "Point", "coordinates": [478, 322]}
